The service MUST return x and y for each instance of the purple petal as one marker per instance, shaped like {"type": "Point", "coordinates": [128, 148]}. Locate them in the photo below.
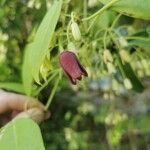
{"type": "Point", "coordinates": [72, 66]}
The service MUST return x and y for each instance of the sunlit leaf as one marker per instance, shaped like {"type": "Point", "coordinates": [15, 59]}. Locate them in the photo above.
{"type": "Point", "coordinates": [133, 8]}
{"type": "Point", "coordinates": [143, 43]}
{"type": "Point", "coordinates": [26, 71]}
{"type": "Point", "coordinates": [21, 134]}
{"type": "Point", "coordinates": [43, 37]}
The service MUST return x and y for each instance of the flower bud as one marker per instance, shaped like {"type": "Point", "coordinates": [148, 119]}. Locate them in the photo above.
{"type": "Point", "coordinates": [125, 56]}
{"type": "Point", "coordinates": [107, 56]}
{"type": "Point", "coordinates": [71, 66]}
{"type": "Point", "coordinates": [92, 3]}
{"type": "Point", "coordinates": [123, 42]}
{"type": "Point", "coordinates": [111, 68]}
{"type": "Point", "coordinates": [127, 83]}
{"type": "Point", "coordinates": [45, 68]}
{"type": "Point", "coordinates": [75, 31]}
{"type": "Point", "coordinates": [115, 85]}
{"type": "Point", "coordinates": [144, 63]}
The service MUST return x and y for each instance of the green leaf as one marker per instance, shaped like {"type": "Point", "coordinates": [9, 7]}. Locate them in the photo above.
{"type": "Point", "coordinates": [143, 43]}
{"type": "Point", "coordinates": [128, 72]}
{"type": "Point", "coordinates": [43, 38]}
{"type": "Point", "coordinates": [141, 123]}
{"type": "Point", "coordinates": [136, 83]}
{"type": "Point", "coordinates": [2, 2]}
{"type": "Point", "coordinates": [132, 8]}
{"type": "Point", "coordinates": [15, 87]}
{"type": "Point", "coordinates": [104, 20]}
{"type": "Point", "coordinates": [26, 71]}
{"type": "Point", "coordinates": [21, 134]}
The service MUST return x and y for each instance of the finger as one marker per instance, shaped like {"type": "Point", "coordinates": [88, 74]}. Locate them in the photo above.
{"type": "Point", "coordinates": [11, 101]}
{"type": "Point", "coordinates": [37, 114]}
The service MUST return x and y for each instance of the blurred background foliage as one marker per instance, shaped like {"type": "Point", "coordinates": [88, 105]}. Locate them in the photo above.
{"type": "Point", "coordinates": [108, 110]}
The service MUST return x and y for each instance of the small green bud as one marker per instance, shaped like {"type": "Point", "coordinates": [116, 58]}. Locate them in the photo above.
{"type": "Point", "coordinates": [123, 42]}
{"type": "Point", "coordinates": [111, 68]}
{"type": "Point", "coordinates": [115, 85]}
{"type": "Point", "coordinates": [107, 56]}
{"type": "Point", "coordinates": [127, 83]}
{"type": "Point", "coordinates": [45, 68]}
{"type": "Point", "coordinates": [75, 31]}
{"type": "Point", "coordinates": [125, 56]}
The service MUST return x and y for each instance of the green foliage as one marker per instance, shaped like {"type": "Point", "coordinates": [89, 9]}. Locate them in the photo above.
{"type": "Point", "coordinates": [2, 2]}
{"type": "Point", "coordinates": [128, 71]}
{"type": "Point", "coordinates": [100, 111]}
{"type": "Point", "coordinates": [43, 38]}
{"type": "Point", "coordinates": [26, 73]}
{"type": "Point", "coordinates": [137, 85]}
{"type": "Point", "coordinates": [137, 9]}
{"type": "Point", "coordinates": [19, 133]}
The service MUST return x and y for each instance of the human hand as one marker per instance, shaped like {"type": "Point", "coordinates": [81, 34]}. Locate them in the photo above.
{"type": "Point", "coordinates": [18, 106]}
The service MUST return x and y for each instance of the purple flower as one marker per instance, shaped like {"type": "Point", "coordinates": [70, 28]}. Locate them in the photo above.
{"type": "Point", "coordinates": [71, 66]}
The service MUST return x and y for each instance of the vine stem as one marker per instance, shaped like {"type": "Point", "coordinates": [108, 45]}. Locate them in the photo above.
{"type": "Point", "coordinates": [101, 10]}
{"type": "Point", "coordinates": [115, 21]}
{"type": "Point", "coordinates": [68, 28]}
{"type": "Point", "coordinates": [46, 83]}
{"type": "Point", "coordinates": [72, 17]}
{"type": "Point", "coordinates": [53, 92]}
{"type": "Point", "coordinates": [121, 68]}
{"type": "Point", "coordinates": [85, 12]}
{"type": "Point", "coordinates": [119, 62]}
{"type": "Point", "coordinates": [104, 39]}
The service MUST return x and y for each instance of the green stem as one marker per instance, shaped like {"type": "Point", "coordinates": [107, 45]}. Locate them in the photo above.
{"type": "Point", "coordinates": [114, 40]}
{"type": "Point", "coordinates": [45, 84]}
{"type": "Point", "coordinates": [72, 17]}
{"type": "Point", "coordinates": [120, 65]}
{"type": "Point", "coordinates": [85, 12]}
{"type": "Point", "coordinates": [137, 38]}
{"type": "Point", "coordinates": [46, 2]}
{"type": "Point", "coordinates": [60, 45]}
{"type": "Point", "coordinates": [68, 28]}
{"type": "Point", "coordinates": [92, 23]}
{"type": "Point", "coordinates": [119, 61]}
{"type": "Point", "coordinates": [101, 10]}
{"type": "Point", "coordinates": [53, 92]}
{"type": "Point", "coordinates": [104, 39]}
{"type": "Point", "coordinates": [115, 21]}
{"type": "Point", "coordinates": [99, 31]}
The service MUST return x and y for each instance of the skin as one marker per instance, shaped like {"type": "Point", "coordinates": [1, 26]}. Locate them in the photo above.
{"type": "Point", "coordinates": [17, 106]}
